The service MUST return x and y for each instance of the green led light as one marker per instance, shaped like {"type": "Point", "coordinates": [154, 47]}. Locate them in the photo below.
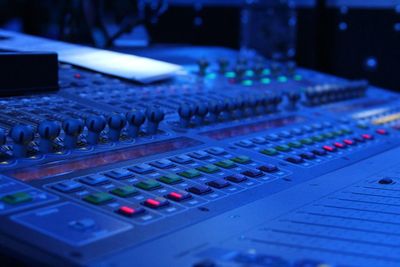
{"type": "Point", "coordinates": [230, 74]}
{"type": "Point", "coordinates": [266, 80]}
{"type": "Point", "coordinates": [298, 77]}
{"type": "Point", "coordinates": [249, 73]}
{"type": "Point", "coordinates": [211, 76]}
{"type": "Point", "coordinates": [282, 79]}
{"type": "Point", "coordinates": [266, 72]}
{"type": "Point", "coordinates": [247, 82]}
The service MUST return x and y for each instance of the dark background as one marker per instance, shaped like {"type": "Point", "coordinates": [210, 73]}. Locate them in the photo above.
{"type": "Point", "coordinates": [352, 40]}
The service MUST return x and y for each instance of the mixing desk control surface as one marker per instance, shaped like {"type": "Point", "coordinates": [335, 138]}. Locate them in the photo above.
{"type": "Point", "coordinates": [242, 162]}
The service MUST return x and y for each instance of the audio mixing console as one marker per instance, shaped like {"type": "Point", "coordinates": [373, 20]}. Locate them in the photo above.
{"type": "Point", "coordinates": [243, 162]}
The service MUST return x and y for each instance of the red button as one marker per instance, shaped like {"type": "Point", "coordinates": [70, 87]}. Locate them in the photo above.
{"type": "Point", "coordinates": [178, 196]}
{"type": "Point", "coordinates": [367, 136]}
{"type": "Point", "coordinates": [381, 131]}
{"type": "Point", "coordinates": [156, 203]}
{"type": "Point", "coordinates": [348, 142]}
{"type": "Point", "coordinates": [128, 211]}
{"type": "Point", "coordinates": [77, 75]}
{"type": "Point", "coordinates": [329, 148]}
{"type": "Point", "coordinates": [339, 145]}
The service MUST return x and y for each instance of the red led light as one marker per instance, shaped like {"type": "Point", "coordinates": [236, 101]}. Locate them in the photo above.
{"type": "Point", "coordinates": [77, 75]}
{"type": "Point", "coordinates": [175, 195]}
{"type": "Point", "coordinates": [348, 142]}
{"type": "Point", "coordinates": [329, 148]}
{"type": "Point", "coordinates": [367, 136]}
{"type": "Point", "coordinates": [126, 210]}
{"type": "Point", "coordinates": [339, 145]}
{"type": "Point", "coordinates": [381, 131]}
{"type": "Point", "coordinates": [153, 202]}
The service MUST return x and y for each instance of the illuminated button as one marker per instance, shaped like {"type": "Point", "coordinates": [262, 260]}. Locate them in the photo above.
{"type": "Point", "coordinates": [119, 174]}
{"type": "Point", "coordinates": [216, 151]}
{"type": "Point", "coordinates": [170, 179]}
{"type": "Point", "coordinates": [367, 136]}
{"type": "Point", "coordinates": [253, 173]}
{"type": "Point", "coordinates": [156, 203]}
{"type": "Point", "coordinates": [198, 155]}
{"type": "Point", "coordinates": [245, 143]}
{"type": "Point", "coordinates": [208, 168]}
{"type": "Point", "coordinates": [307, 141]}
{"type": "Point", "coordinates": [295, 144]}
{"type": "Point", "coordinates": [318, 138]}
{"type": "Point", "coordinates": [96, 179]}
{"type": "Point", "coordinates": [273, 137]}
{"type": "Point", "coordinates": [283, 148]}
{"type": "Point", "coordinates": [226, 164]}
{"type": "Point", "coordinates": [68, 186]}
{"type": "Point", "coordinates": [219, 183]}
{"type": "Point", "coordinates": [259, 140]}
{"type": "Point", "coordinates": [268, 168]}
{"type": "Point", "coordinates": [98, 198]}
{"type": "Point", "coordinates": [124, 191]}
{"type": "Point", "coordinates": [307, 155]}
{"type": "Point", "coordinates": [141, 169]}
{"type": "Point", "coordinates": [129, 212]}
{"type": "Point", "coordinates": [17, 198]}
{"type": "Point", "coordinates": [179, 196]}
{"type": "Point", "coordinates": [294, 159]}
{"type": "Point", "coordinates": [236, 178]}
{"type": "Point", "coordinates": [192, 173]}
{"type": "Point", "coordinates": [348, 142]}
{"type": "Point", "coordinates": [241, 159]}
{"type": "Point", "coordinates": [381, 131]}
{"type": "Point", "coordinates": [199, 189]}
{"type": "Point", "coordinates": [148, 184]}
{"type": "Point", "coordinates": [319, 152]}
{"type": "Point", "coordinates": [162, 164]}
{"type": "Point", "coordinates": [329, 148]}
{"type": "Point", "coordinates": [339, 145]}
{"type": "Point", "coordinates": [269, 152]}
{"type": "Point", "coordinates": [182, 159]}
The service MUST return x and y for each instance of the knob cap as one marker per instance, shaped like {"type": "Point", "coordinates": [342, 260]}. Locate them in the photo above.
{"type": "Point", "coordinates": [215, 108]}
{"type": "Point", "coordinates": [185, 112]}
{"type": "Point", "coordinates": [21, 135]}
{"type": "Point", "coordinates": [203, 65]}
{"type": "Point", "coordinates": [293, 98]}
{"type": "Point", "coordinates": [135, 119]}
{"type": "Point", "coordinates": [72, 129]}
{"type": "Point", "coordinates": [48, 131]}
{"type": "Point", "coordinates": [223, 64]}
{"type": "Point", "coordinates": [116, 123]}
{"type": "Point", "coordinates": [95, 125]}
{"type": "Point", "coordinates": [200, 113]}
{"type": "Point", "coordinates": [154, 117]}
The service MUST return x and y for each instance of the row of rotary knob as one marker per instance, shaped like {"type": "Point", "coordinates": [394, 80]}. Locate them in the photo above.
{"type": "Point", "coordinates": [48, 131]}
{"type": "Point", "coordinates": [231, 109]}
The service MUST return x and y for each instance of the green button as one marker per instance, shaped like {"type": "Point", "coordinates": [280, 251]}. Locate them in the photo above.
{"type": "Point", "coordinates": [208, 168]}
{"type": "Point", "coordinates": [148, 184]}
{"type": "Point", "coordinates": [98, 198]}
{"type": "Point", "coordinates": [307, 141]}
{"type": "Point", "coordinates": [347, 131]}
{"type": "Point", "coordinates": [190, 173]}
{"type": "Point", "coordinates": [17, 198]}
{"type": "Point", "coordinates": [295, 144]}
{"type": "Point", "coordinates": [170, 179]}
{"type": "Point", "coordinates": [226, 164]}
{"type": "Point", "coordinates": [124, 191]}
{"type": "Point", "coordinates": [241, 159]}
{"type": "Point", "coordinates": [318, 138]}
{"type": "Point", "coordinates": [283, 148]}
{"type": "Point", "coordinates": [328, 135]}
{"type": "Point", "coordinates": [270, 152]}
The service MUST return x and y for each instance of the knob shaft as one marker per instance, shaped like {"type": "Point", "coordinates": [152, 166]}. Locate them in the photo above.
{"type": "Point", "coordinates": [154, 117]}
{"type": "Point", "coordinates": [95, 125]}
{"type": "Point", "coordinates": [72, 129]}
{"type": "Point", "coordinates": [21, 135]}
{"type": "Point", "coordinates": [48, 131]}
{"type": "Point", "coordinates": [135, 119]}
{"type": "Point", "coordinates": [116, 123]}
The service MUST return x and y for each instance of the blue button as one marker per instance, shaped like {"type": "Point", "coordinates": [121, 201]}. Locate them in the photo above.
{"type": "Point", "coordinates": [216, 151]}
{"type": "Point", "coordinates": [95, 179]}
{"type": "Point", "coordinates": [162, 164]}
{"type": "Point", "coordinates": [119, 174]}
{"type": "Point", "coordinates": [68, 186]}
{"type": "Point", "coordinates": [198, 155]}
{"type": "Point", "coordinates": [141, 168]}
